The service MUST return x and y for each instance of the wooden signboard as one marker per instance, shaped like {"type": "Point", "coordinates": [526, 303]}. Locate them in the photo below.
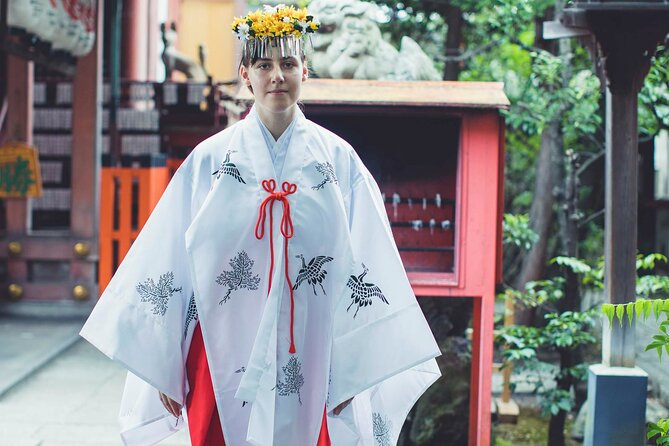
{"type": "Point", "coordinates": [20, 175]}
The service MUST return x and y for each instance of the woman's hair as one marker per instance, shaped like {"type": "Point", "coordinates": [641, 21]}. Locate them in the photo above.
{"type": "Point", "coordinates": [248, 60]}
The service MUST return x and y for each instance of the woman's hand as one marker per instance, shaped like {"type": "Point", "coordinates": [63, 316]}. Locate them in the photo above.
{"type": "Point", "coordinates": [172, 406]}
{"type": "Point", "coordinates": [337, 410]}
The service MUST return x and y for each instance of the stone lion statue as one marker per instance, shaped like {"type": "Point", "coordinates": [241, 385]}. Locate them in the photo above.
{"type": "Point", "coordinates": [349, 45]}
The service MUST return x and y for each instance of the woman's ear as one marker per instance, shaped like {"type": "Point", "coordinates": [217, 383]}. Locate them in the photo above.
{"type": "Point", "coordinates": [305, 71]}
{"type": "Point", "coordinates": [244, 75]}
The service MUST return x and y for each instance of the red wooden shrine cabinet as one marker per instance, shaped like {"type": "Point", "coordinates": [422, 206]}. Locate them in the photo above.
{"type": "Point", "coordinates": [437, 151]}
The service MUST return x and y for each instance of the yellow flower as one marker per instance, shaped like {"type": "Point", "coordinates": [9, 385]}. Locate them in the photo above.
{"type": "Point", "coordinates": [278, 22]}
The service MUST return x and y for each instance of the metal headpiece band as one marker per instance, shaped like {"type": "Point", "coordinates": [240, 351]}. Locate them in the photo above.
{"type": "Point", "coordinates": [278, 27]}
{"type": "Point", "coordinates": [287, 46]}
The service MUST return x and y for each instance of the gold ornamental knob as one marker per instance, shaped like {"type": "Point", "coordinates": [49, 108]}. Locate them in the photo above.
{"type": "Point", "coordinates": [82, 249]}
{"type": "Point", "coordinates": [15, 248]}
{"type": "Point", "coordinates": [80, 292]}
{"type": "Point", "coordinates": [15, 291]}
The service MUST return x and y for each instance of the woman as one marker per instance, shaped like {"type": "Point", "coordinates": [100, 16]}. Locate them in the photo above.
{"type": "Point", "coordinates": [268, 295]}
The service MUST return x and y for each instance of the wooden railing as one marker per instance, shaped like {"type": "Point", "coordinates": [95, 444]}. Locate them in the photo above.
{"type": "Point", "coordinates": [128, 195]}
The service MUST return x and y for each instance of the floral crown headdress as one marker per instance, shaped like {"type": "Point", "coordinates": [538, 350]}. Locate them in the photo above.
{"type": "Point", "coordinates": [282, 27]}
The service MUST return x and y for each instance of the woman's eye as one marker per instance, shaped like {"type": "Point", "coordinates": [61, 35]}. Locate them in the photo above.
{"type": "Point", "coordinates": [263, 66]}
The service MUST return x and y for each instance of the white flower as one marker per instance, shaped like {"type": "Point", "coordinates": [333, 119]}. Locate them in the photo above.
{"type": "Point", "coordinates": [272, 9]}
{"type": "Point", "coordinates": [243, 31]}
{"type": "Point", "coordinates": [286, 19]}
{"type": "Point", "coordinates": [303, 25]}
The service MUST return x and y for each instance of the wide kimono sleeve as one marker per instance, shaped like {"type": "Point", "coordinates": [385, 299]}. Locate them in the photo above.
{"type": "Point", "coordinates": [141, 318]}
{"type": "Point", "coordinates": [383, 350]}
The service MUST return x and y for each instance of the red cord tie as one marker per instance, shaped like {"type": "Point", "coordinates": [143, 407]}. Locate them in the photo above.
{"type": "Point", "coordinates": [286, 230]}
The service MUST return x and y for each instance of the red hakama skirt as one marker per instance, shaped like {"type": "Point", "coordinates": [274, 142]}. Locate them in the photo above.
{"type": "Point", "coordinates": [203, 422]}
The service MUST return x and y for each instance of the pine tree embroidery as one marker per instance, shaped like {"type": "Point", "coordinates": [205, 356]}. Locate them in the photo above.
{"type": "Point", "coordinates": [241, 276]}
{"type": "Point", "coordinates": [293, 379]}
{"type": "Point", "coordinates": [327, 170]}
{"type": "Point", "coordinates": [191, 314]}
{"type": "Point", "coordinates": [382, 429]}
{"type": "Point", "coordinates": [158, 294]}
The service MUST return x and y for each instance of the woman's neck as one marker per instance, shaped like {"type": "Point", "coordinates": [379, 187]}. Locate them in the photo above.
{"type": "Point", "coordinates": [276, 123]}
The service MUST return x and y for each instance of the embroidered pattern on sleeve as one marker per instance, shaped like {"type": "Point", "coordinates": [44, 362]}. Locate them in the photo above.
{"type": "Point", "coordinates": [229, 168]}
{"type": "Point", "coordinates": [191, 313]}
{"type": "Point", "coordinates": [363, 292]}
{"type": "Point", "coordinates": [313, 273]}
{"type": "Point", "coordinates": [242, 369]}
{"type": "Point", "coordinates": [292, 379]}
{"type": "Point", "coordinates": [241, 276]}
{"type": "Point", "coordinates": [157, 294]}
{"type": "Point", "coordinates": [382, 428]}
{"type": "Point", "coordinates": [327, 170]}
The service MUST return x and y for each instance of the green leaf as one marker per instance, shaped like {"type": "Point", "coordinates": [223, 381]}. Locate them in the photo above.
{"type": "Point", "coordinates": [620, 312]}
{"type": "Point", "coordinates": [576, 265]}
{"type": "Point", "coordinates": [657, 308]}
{"type": "Point", "coordinates": [638, 307]}
{"type": "Point", "coordinates": [665, 305]}
{"type": "Point", "coordinates": [647, 308]}
{"type": "Point", "coordinates": [609, 310]}
{"type": "Point", "coordinates": [630, 312]}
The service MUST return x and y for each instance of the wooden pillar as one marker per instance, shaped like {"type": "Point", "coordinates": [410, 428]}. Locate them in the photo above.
{"type": "Point", "coordinates": [86, 138]}
{"type": "Point", "coordinates": [152, 32]}
{"type": "Point", "coordinates": [620, 220]}
{"type": "Point", "coordinates": [627, 45]}
{"type": "Point", "coordinates": [134, 41]}
{"type": "Point", "coordinates": [20, 82]}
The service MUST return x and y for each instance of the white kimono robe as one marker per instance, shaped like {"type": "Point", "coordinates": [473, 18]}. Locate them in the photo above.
{"type": "Point", "coordinates": [205, 254]}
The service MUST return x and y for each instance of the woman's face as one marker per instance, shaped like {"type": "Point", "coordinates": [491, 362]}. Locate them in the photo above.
{"type": "Point", "coordinates": [276, 83]}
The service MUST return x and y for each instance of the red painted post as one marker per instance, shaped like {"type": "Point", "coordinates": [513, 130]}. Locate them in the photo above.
{"type": "Point", "coordinates": [19, 127]}
{"type": "Point", "coordinates": [85, 159]}
{"type": "Point", "coordinates": [480, 170]}
{"type": "Point", "coordinates": [135, 40]}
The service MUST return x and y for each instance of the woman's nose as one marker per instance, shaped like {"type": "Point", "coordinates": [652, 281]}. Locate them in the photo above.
{"type": "Point", "coordinates": [277, 74]}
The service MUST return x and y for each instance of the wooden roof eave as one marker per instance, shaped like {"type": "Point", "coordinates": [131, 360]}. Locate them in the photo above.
{"type": "Point", "coordinates": [438, 94]}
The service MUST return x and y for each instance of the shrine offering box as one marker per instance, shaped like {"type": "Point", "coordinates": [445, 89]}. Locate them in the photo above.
{"type": "Point", "coordinates": [436, 150]}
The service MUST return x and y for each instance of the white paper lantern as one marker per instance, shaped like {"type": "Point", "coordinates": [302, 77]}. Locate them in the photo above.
{"type": "Point", "coordinates": [48, 23]}
{"type": "Point", "coordinates": [88, 18]}
{"type": "Point", "coordinates": [22, 14]}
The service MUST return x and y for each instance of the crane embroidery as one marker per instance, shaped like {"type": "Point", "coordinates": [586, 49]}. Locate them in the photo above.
{"type": "Point", "coordinates": [229, 168]}
{"type": "Point", "coordinates": [157, 294]}
{"type": "Point", "coordinates": [363, 292]}
{"type": "Point", "coordinates": [327, 170]}
{"type": "Point", "coordinates": [191, 314]}
{"type": "Point", "coordinates": [241, 275]}
{"type": "Point", "coordinates": [313, 273]}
